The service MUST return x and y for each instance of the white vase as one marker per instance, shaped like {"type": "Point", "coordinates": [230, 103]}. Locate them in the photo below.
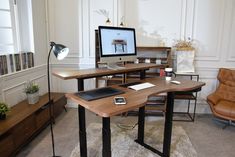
{"type": "Point", "coordinates": [185, 61]}
{"type": "Point", "coordinates": [33, 98]}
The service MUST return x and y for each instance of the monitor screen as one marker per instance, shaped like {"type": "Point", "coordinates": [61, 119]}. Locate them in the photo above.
{"type": "Point", "coordinates": [117, 44]}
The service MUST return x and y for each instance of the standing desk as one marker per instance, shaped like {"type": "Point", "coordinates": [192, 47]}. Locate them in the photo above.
{"type": "Point", "coordinates": [135, 99]}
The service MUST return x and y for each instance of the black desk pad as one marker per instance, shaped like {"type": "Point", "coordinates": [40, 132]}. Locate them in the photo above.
{"type": "Point", "coordinates": [99, 93]}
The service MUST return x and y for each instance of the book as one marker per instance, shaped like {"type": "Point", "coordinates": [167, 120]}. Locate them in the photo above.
{"type": "Point", "coordinates": [30, 59]}
{"type": "Point", "coordinates": [3, 65]}
{"type": "Point", "coordinates": [141, 86]}
{"type": "Point", "coordinates": [11, 63]}
{"type": "Point", "coordinates": [24, 60]}
{"type": "Point", "coordinates": [17, 61]}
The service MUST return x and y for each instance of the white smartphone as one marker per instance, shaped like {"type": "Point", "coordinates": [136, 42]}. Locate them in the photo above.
{"type": "Point", "coordinates": [119, 100]}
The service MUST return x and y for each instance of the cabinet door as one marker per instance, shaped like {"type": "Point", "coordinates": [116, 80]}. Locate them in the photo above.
{"type": "Point", "coordinates": [6, 145]}
{"type": "Point", "coordinates": [59, 106]}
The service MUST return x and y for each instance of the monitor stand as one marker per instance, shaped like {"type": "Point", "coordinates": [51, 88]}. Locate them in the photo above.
{"type": "Point", "coordinates": [114, 66]}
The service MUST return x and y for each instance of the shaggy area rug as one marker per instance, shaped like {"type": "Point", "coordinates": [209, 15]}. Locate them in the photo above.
{"type": "Point", "coordinates": [123, 145]}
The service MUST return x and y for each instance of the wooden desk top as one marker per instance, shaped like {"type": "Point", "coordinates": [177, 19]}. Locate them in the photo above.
{"type": "Point", "coordinates": [97, 72]}
{"type": "Point", "coordinates": [106, 108]}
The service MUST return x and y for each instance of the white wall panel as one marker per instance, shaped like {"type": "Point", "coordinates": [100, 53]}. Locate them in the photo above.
{"type": "Point", "coordinates": [40, 31]}
{"type": "Point", "coordinates": [95, 19]}
{"type": "Point", "coordinates": [208, 27]}
{"type": "Point", "coordinates": [64, 26]}
{"type": "Point", "coordinates": [12, 90]}
{"type": "Point", "coordinates": [156, 20]}
{"type": "Point", "coordinates": [14, 94]}
{"type": "Point", "coordinates": [231, 37]}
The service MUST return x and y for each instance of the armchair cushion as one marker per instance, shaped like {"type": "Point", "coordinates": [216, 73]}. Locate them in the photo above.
{"type": "Point", "coordinates": [227, 76]}
{"type": "Point", "coordinates": [226, 92]}
{"type": "Point", "coordinates": [225, 108]}
{"type": "Point", "coordinates": [222, 101]}
{"type": "Point", "coordinates": [213, 99]}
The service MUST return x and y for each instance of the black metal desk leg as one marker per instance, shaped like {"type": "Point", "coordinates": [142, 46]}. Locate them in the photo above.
{"type": "Point", "coordinates": [141, 120]}
{"type": "Point", "coordinates": [80, 84]}
{"type": "Point", "coordinates": [142, 74]}
{"type": "Point", "coordinates": [168, 124]}
{"type": "Point", "coordinates": [106, 137]}
{"type": "Point", "coordinates": [82, 123]}
{"type": "Point", "coordinates": [82, 131]}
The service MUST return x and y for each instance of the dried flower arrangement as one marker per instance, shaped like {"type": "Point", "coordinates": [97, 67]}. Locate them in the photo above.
{"type": "Point", "coordinates": [184, 45]}
{"type": "Point", "coordinates": [105, 13]}
{"type": "Point", "coordinates": [122, 21]}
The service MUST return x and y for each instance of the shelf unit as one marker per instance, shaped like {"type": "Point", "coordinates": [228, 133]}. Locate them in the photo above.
{"type": "Point", "coordinates": [157, 55]}
{"type": "Point", "coordinates": [190, 96]}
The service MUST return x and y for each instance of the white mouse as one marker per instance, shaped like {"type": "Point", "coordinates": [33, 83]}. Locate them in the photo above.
{"type": "Point", "coordinates": [175, 82]}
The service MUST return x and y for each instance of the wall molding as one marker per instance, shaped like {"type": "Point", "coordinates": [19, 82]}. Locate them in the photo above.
{"type": "Point", "coordinates": [89, 29]}
{"type": "Point", "coordinates": [72, 66]}
{"type": "Point", "coordinates": [23, 72]}
{"type": "Point", "coordinates": [231, 54]}
{"type": "Point", "coordinates": [38, 77]}
{"type": "Point", "coordinates": [216, 56]}
{"type": "Point", "coordinates": [10, 88]}
{"type": "Point", "coordinates": [80, 29]}
{"type": "Point", "coordinates": [73, 55]}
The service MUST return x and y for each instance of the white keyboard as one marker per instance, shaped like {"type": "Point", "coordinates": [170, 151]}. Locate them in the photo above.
{"type": "Point", "coordinates": [141, 86]}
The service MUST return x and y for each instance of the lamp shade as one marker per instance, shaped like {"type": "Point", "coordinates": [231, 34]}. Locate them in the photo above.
{"type": "Point", "coordinates": [59, 50]}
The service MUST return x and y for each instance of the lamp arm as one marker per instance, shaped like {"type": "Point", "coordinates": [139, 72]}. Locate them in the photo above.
{"type": "Point", "coordinates": [48, 74]}
{"type": "Point", "coordinates": [49, 100]}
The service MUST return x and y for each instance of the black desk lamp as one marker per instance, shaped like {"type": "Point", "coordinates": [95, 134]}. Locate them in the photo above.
{"type": "Point", "coordinates": [60, 52]}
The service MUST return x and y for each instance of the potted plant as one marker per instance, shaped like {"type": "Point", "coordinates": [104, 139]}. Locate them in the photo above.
{"type": "Point", "coordinates": [3, 110]}
{"type": "Point", "coordinates": [32, 92]}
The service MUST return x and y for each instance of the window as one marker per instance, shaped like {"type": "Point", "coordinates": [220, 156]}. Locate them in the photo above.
{"type": "Point", "coordinates": [16, 36]}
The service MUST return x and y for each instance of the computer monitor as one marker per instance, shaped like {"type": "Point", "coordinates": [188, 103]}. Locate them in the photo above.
{"type": "Point", "coordinates": [117, 44]}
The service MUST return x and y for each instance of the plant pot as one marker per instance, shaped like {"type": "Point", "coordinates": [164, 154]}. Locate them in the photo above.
{"type": "Point", "coordinates": [2, 116]}
{"type": "Point", "coordinates": [185, 61]}
{"type": "Point", "coordinates": [33, 98]}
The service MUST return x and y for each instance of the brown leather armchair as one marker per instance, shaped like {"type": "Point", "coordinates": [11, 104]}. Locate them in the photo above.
{"type": "Point", "coordinates": [222, 101]}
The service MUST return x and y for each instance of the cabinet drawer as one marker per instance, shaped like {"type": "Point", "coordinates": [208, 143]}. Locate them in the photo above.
{"type": "Point", "coordinates": [42, 117]}
{"type": "Point", "coordinates": [24, 130]}
{"type": "Point", "coordinates": [6, 145]}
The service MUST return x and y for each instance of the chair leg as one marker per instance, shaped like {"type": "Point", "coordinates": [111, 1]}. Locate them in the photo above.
{"type": "Point", "coordinates": [188, 105]}
{"type": "Point", "coordinates": [194, 110]}
{"type": "Point", "coordinates": [226, 122]}
{"type": "Point", "coordinates": [65, 109]}
{"type": "Point", "coordinates": [225, 126]}
{"type": "Point", "coordinates": [187, 113]}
